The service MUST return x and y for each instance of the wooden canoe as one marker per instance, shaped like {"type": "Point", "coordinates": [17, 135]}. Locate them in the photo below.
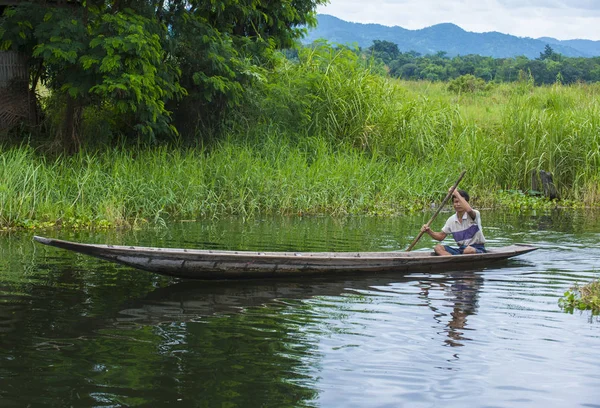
{"type": "Point", "coordinates": [220, 264]}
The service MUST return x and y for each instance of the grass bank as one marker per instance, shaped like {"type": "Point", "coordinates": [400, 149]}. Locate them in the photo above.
{"type": "Point", "coordinates": [126, 187]}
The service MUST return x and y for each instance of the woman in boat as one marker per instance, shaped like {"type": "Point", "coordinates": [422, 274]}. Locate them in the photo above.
{"type": "Point", "coordinates": [465, 227]}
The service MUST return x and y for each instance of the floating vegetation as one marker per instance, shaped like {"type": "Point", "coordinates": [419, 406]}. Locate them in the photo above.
{"type": "Point", "coordinates": [586, 297]}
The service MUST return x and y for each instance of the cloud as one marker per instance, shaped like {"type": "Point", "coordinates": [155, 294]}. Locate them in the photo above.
{"type": "Point", "coordinates": [552, 4]}
{"type": "Point", "coordinates": [526, 18]}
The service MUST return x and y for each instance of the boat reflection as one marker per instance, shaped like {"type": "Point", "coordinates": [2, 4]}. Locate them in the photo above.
{"type": "Point", "coordinates": [195, 300]}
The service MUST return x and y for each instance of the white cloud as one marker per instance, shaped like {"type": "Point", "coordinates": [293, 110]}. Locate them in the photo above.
{"type": "Point", "coordinates": [525, 18]}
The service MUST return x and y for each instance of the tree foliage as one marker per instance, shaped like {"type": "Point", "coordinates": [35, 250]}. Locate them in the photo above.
{"type": "Point", "coordinates": [223, 47]}
{"type": "Point", "coordinates": [92, 56]}
{"type": "Point", "coordinates": [145, 61]}
{"type": "Point", "coordinates": [387, 51]}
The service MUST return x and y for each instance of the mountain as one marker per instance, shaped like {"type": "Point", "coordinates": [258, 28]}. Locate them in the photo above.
{"type": "Point", "coordinates": [446, 37]}
{"type": "Point", "coordinates": [587, 46]}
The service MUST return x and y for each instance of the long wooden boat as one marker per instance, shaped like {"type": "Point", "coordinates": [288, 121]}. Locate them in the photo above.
{"type": "Point", "coordinates": [220, 264]}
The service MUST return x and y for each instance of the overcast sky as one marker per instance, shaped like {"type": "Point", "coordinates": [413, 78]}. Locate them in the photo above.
{"type": "Point", "coordinates": [560, 19]}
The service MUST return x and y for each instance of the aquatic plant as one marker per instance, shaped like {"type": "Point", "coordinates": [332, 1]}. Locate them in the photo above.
{"type": "Point", "coordinates": [586, 297]}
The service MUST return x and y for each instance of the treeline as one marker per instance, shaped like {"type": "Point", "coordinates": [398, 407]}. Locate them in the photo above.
{"type": "Point", "coordinates": [550, 67]}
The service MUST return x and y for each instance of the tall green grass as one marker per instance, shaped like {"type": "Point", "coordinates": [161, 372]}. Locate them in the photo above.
{"type": "Point", "coordinates": [500, 134]}
{"type": "Point", "coordinates": [125, 187]}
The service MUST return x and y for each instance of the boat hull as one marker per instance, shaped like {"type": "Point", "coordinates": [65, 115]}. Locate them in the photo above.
{"type": "Point", "coordinates": [216, 264]}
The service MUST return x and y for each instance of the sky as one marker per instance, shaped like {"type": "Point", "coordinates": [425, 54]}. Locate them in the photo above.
{"type": "Point", "coordinates": [560, 19]}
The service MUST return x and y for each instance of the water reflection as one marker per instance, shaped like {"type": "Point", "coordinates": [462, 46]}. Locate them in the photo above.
{"type": "Point", "coordinates": [193, 300]}
{"type": "Point", "coordinates": [465, 293]}
{"type": "Point", "coordinates": [461, 296]}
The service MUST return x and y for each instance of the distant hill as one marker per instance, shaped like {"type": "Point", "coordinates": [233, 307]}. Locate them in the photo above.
{"type": "Point", "coordinates": [446, 37]}
{"type": "Point", "coordinates": [592, 48]}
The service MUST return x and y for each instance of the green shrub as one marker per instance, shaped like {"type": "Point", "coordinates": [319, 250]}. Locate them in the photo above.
{"type": "Point", "coordinates": [467, 84]}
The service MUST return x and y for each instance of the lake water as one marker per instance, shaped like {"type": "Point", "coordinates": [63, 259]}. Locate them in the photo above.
{"type": "Point", "coordinates": [76, 331]}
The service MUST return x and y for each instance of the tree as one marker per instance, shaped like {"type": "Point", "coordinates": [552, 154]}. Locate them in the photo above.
{"type": "Point", "coordinates": [434, 72]}
{"type": "Point", "coordinates": [386, 50]}
{"type": "Point", "coordinates": [97, 55]}
{"type": "Point", "coordinates": [224, 46]}
{"type": "Point", "coordinates": [409, 71]}
{"type": "Point", "coordinates": [549, 54]}
{"type": "Point", "coordinates": [139, 58]}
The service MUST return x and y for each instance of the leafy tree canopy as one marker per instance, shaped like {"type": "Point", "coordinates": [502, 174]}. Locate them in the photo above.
{"type": "Point", "coordinates": [145, 59]}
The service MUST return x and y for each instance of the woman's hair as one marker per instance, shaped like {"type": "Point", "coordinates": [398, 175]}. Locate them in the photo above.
{"type": "Point", "coordinates": [464, 194]}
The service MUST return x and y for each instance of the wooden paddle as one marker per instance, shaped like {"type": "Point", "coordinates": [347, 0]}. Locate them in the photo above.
{"type": "Point", "coordinates": [438, 210]}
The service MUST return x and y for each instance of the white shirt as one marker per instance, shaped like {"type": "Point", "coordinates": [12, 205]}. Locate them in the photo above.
{"type": "Point", "coordinates": [466, 231]}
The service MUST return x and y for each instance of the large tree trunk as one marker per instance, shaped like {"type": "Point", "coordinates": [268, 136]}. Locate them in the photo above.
{"type": "Point", "coordinates": [71, 126]}
{"type": "Point", "coordinates": [14, 107]}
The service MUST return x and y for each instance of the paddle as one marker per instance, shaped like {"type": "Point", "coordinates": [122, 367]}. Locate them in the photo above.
{"type": "Point", "coordinates": [438, 210]}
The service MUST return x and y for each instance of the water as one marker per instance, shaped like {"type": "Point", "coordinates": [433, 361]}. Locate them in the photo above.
{"type": "Point", "coordinates": [76, 331]}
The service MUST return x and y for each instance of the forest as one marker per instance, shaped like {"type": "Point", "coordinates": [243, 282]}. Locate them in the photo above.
{"type": "Point", "coordinates": [550, 67]}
